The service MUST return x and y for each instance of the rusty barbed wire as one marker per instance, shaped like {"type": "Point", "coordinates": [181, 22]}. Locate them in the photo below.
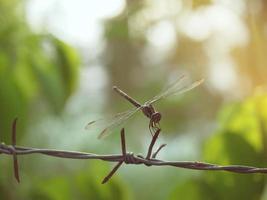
{"type": "Point", "coordinates": [124, 157]}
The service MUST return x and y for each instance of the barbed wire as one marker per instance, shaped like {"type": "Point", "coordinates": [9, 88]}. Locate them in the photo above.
{"type": "Point", "coordinates": [124, 157]}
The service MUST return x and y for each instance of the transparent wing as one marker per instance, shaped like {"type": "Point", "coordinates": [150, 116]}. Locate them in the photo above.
{"type": "Point", "coordinates": [109, 123]}
{"type": "Point", "coordinates": [167, 89]}
{"type": "Point", "coordinates": [178, 87]}
{"type": "Point", "coordinates": [104, 121]}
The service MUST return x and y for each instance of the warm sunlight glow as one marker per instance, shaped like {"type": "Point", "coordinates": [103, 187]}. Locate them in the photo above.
{"type": "Point", "coordinates": [78, 22]}
{"type": "Point", "coordinates": [162, 35]}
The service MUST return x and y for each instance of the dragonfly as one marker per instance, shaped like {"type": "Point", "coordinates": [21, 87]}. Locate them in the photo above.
{"type": "Point", "coordinates": [179, 86]}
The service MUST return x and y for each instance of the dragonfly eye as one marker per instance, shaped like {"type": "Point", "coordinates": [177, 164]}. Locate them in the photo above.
{"type": "Point", "coordinates": [156, 117]}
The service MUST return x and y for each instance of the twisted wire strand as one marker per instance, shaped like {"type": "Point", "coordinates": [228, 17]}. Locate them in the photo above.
{"type": "Point", "coordinates": [130, 158]}
{"type": "Point", "coordinates": [124, 157]}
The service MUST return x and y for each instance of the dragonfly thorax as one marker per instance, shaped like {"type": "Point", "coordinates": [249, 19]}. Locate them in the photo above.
{"type": "Point", "coordinates": [151, 113]}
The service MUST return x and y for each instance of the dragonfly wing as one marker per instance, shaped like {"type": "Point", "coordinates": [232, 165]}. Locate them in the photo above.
{"type": "Point", "coordinates": [169, 88]}
{"type": "Point", "coordinates": [176, 88]}
{"type": "Point", "coordinates": [104, 121]}
{"type": "Point", "coordinates": [178, 82]}
{"type": "Point", "coordinates": [117, 122]}
{"type": "Point", "coordinates": [185, 88]}
{"type": "Point", "coordinates": [109, 123]}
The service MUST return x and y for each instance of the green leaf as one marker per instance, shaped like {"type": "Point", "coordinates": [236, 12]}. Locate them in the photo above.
{"type": "Point", "coordinates": [238, 142]}
{"type": "Point", "coordinates": [242, 119]}
{"type": "Point", "coordinates": [195, 189]}
{"type": "Point", "coordinates": [83, 184]}
{"type": "Point", "coordinates": [55, 189]}
{"type": "Point", "coordinates": [55, 69]}
{"type": "Point", "coordinates": [230, 148]}
{"type": "Point", "coordinates": [67, 62]}
{"type": "Point", "coordinates": [50, 85]}
{"type": "Point", "coordinates": [13, 104]}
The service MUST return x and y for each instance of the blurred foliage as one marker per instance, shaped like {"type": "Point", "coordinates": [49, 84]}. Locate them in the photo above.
{"type": "Point", "coordinates": [39, 72]}
{"type": "Point", "coordinates": [198, 3]}
{"type": "Point", "coordinates": [240, 140]}
{"type": "Point", "coordinates": [251, 58]}
{"type": "Point", "coordinates": [83, 184]}
{"type": "Point", "coordinates": [33, 67]}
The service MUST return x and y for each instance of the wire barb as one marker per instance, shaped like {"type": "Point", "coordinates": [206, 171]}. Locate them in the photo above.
{"type": "Point", "coordinates": [158, 150]}
{"type": "Point", "coordinates": [13, 149]}
{"type": "Point", "coordinates": [123, 150]}
{"type": "Point", "coordinates": [112, 172]}
{"type": "Point", "coordinates": [152, 143]}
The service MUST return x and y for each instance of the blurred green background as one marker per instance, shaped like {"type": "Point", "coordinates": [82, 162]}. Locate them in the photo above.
{"type": "Point", "coordinates": [59, 60]}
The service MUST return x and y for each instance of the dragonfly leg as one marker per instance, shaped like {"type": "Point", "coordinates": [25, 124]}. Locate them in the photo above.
{"type": "Point", "coordinates": [151, 129]}
{"type": "Point", "coordinates": [157, 125]}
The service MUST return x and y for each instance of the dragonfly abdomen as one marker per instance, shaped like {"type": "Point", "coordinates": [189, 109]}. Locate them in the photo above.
{"type": "Point", "coordinates": [130, 99]}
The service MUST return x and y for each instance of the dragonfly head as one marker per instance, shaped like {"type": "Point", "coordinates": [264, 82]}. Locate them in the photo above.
{"type": "Point", "coordinates": [156, 117]}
